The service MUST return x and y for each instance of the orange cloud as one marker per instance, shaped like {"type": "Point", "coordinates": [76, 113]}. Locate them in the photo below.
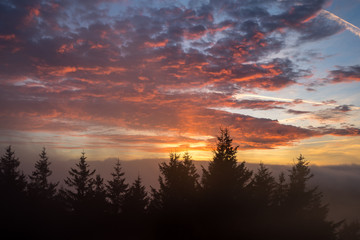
{"type": "Point", "coordinates": [65, 48]}
{"type": "Point", "coordinates": [33, 12]}
{"type": "Point", "coordinates": [98, 46]}
{"type": "Point", "coordinates": [156, 44]}
{"type": "Point", "coordinates": [64, 70]}
{"type": "Point", "coordinates": [7, 37]}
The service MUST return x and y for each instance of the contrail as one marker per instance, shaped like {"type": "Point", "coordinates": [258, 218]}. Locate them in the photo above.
{"type": "Point", "coordinates": [240, 96]}
{"type": "Point", "coordinates": [351, 27]}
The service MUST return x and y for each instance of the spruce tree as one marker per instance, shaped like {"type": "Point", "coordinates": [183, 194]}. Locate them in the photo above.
{"type": "Point", "coordinates": [136, 199]}
{"type": "Point", "coordinates": [13, 202]}
{"type": "Point", "coordinates": [225, 178]}
{"type": "Point", "coordinates": [280, 192]}
{"type": "Point", "coordinates": [174, 203]}
{"type": "Point", "coordinates": [99, 187]}
{"type": "Point", "coordinates": [262, 189]}
{"type": "Point", "coordinates": [81, 184]}
{"type": "Point", "coordinates": [262, 185]}
{"type": "Point", "coordinates": [226, 191]}
{"type": "Point", "coordinates": [39, 185]}
{"type": "Point", "coordinates": [349, 231]}
{"type": "Point", "coordinates": [12, 180]}
{"type": "Point", "coordinates": [178, 183]}
{"type": "Point", "coordinates": [116, 188]}
{"type": "Point", "coordinates": [100, 205]}
{"type": "Point", "coordinates": [304, 206]}
{"type": "Point", "coordinates": [192, 182]}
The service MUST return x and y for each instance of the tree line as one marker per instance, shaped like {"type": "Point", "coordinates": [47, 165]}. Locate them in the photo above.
{"type": "Point", "coordinates": [228, 201]}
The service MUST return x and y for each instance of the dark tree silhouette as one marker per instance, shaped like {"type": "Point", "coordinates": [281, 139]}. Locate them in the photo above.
{"type": "Point", "coordinates": [304, 206]}
{"type": "Point", "coordinates": [39, 185]}
{"type": "Point", "coordinates": [14, 207]}
{"type": "Point", "coordinates": [178, 183]}
{"type": "Point", "coordinates": [226, 190]}
{"type": "Point", "coordinates": [136, 199]}
{"type": "Point", "coordinates": [280, 192]}
{"type": "Point", "coordinates": [100, 206]}
{"type": "Point", "coordinates": [349, 231]}
{"type": "Point", "coordinates": [81, 184]}
{"type": "Point", "coordinates": [262, 185]}
{"type": "Point", "coordinates": [116, 188]}
{"type": "Point", "coordinates": [99, 187]}
{"type": "Point", "coordinates": [12, 180]}
{"type": "Point", "coordinates": [262, 190]}
{"type": "Point", "coordinates": [225, 177]}
{"type": "Point", "coordinates": [173, 205]}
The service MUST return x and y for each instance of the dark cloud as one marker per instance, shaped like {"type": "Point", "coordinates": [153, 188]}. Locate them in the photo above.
{"type": "Point", "coordinates": [301, 12]}
{"type": "Point", "coordinates": [343, 108]}
{"type": "Point", "coordinates": [318, 28]}
{"type": "Point", "coordinates": [297, 112]}
{"type": "Point", "coordinates": [332, 114]}
{"type": "Point", "coordinates": [329, 101]}
{"type": "Point", "coordinates": [350, 131]}
{"type": "Point", "coordinates": [345, 74]}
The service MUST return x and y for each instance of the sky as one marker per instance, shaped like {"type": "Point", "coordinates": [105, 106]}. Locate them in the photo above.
{"type": "Point", "coordinates": [140, 79]}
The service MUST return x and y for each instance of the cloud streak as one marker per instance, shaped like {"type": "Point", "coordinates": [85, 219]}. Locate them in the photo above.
{"type": "Point", "coordinates": [348, 26]}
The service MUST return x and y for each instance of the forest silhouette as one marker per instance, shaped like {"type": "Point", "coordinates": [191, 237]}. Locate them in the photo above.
{"type": "Point", "coordinates": [227, 201]}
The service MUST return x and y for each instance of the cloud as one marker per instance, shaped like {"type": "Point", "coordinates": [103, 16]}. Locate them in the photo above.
{"type": "Point", "coordinates": [343, 108]}
{"type": "Point", "coordinates": [345, 74]}
{"type": "Point", "coordinates": [336, 114]}
{"type": "Point", "coordinates": [70, 66]}
{"type": "Point", "coordinates": [351, 27]}
{"type": "Point", "coordinates": [260, 104]}
{"type": "Point", "coordinates": [297, 112]}
{"type": "Point", "coordinates": [318, 28]}
{"type": "Point", "coordinates": [339, 132]}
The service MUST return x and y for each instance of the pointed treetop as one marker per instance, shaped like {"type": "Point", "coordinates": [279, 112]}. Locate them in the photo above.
{"type": "Point", "coordinates": [225, 151]}
{"type": "Point", "coordinates": [9, 172]}
{"type": "Point", "coordinates": [39, 185]}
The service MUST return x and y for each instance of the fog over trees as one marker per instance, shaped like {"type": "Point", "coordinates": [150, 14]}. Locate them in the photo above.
{"type": "Point", "coordinates": [225, 200]}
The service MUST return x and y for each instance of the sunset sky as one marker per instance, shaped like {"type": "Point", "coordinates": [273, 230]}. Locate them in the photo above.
{"type": "Point", "coordinates": [139, 79]}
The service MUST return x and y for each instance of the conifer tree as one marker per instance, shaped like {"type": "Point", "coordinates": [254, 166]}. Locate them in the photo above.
{"type": "Point", "coordinates": [226, 191]}
{"type": "Point", "coordinates": [262, 217]}
{"type": "Point", "coordinates": [192, 182]}
{"type": "Point", "coordinates": [304, 205]}
{"type": "Point", "coordinates": [262, 184]}
{"type": "Point", "coordinates": [12, 180]}
{"type": "Point", "coordinates": [178, 182]}
{"type": "Point", "coordinates": [13, 202]}
{"type": "Point", "coordinates": [225, 178]}
{"type": "Point", "coordinates": [99, 202]}
{"type": "Point", "coordinates": [280, 192]}
{"type": "Point", "coordinates": [39, 185]}
{"type": "Point", "coordinates": [99, 188]}
{"type": "Point", "coordinates": [81, 184]}
{"type": "Point", "coordinates": [300, 195]}
{"type": "Point", "coordinates": [116, 188]}
{"type": "Point", "coordinates": [174, 204]}
{"type": "Point", "coordinates": [136, 199]}
{"type": "Point", "coordinates": [349, 231]}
